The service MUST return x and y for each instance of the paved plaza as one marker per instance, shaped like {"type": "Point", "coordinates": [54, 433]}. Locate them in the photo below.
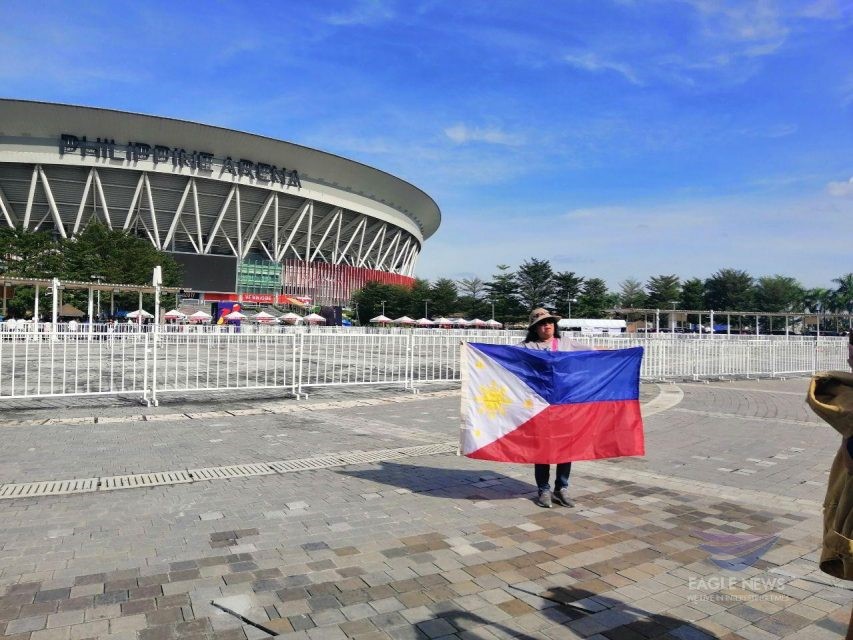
{"type": "Point", "coordinates": [347, 515]}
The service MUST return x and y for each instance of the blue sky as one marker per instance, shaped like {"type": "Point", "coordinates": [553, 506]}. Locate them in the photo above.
{"type": "Point", "coordinates": [615, 138]}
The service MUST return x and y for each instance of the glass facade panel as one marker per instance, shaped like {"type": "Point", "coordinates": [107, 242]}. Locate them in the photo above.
{"type": "Point", "coordinates": [258, 276]}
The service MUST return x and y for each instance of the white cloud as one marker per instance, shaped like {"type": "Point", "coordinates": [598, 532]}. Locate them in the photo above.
{"type": "Point", "coordinates": [840, 189]}
{"type": "Point", "coordinates": [592, 62]}
{"type": "Point", "coordinates": [752, 22]}
{"type": "Point", "coordinates": [463, 134]}
{"type": "Point", "coordinates": [366, 12]}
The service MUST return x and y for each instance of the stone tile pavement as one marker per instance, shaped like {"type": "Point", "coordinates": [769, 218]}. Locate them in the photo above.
{"type": "Point", "coordinates": [432, 547]}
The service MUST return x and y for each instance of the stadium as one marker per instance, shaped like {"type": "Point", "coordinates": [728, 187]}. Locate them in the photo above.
{"type": "Point", "coordinates": [248, 217]}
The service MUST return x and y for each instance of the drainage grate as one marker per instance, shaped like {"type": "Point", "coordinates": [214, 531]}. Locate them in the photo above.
{"type": "Point", "coordinates": [362, 457]}
{"type": "Point", "coordinates": [144, 480]}
{"type": "Point", "coordinates": [111, 483]}
{"type": "Point", "coordinates": [233, 471]}
{"type": "Point", "coordinates": [430, 449]}
{"type": "Point", "coordinates": [322, 462]}
{"type": "Point", "coordinates": [48, 488]}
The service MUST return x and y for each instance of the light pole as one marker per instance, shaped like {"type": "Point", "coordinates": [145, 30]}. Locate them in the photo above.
{"type": "Point", "coordinates": [426, 309]}
{"type": "Point", "coordinates": [493, 308]}
{"type": "Point", "coordinates": [99, 279]}
{"type": "Point", "coordinates": [672, 318]}
{"type": "Point", "coordinates": [571, 300]}
{"type": "Point", "coordinates": [383, 306]}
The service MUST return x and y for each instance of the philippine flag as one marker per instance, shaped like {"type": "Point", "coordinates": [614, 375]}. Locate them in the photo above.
{"type": "Point", "coordinates": [545, 407]}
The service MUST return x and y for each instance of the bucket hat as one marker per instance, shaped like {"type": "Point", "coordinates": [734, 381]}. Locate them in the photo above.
{"type": "Point", "coordinates": [540, 314]}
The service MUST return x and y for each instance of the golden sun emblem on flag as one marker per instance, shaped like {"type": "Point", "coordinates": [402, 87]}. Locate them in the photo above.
{"type": "Point", "coordinates": [493, 399]}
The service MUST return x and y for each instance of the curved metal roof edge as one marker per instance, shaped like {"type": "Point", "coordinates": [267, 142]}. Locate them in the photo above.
{"type": "Point", "coordinates": [427, 232]}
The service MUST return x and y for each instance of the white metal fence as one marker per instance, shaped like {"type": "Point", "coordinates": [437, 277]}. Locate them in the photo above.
{"type": "Point", "coordinates": [151, 363]}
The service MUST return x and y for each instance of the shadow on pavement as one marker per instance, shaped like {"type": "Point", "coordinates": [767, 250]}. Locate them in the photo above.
{"type": "Point", "coordinates": [581, 611]}
{"type": "Point", "coordinates": [445, 483]}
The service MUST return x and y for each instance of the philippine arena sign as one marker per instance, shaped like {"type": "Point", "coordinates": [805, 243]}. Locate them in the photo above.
{"type": "Point", "coordinates": [201, 160]}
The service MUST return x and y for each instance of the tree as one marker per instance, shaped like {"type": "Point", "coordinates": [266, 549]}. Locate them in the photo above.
{"type": "Point", "coordinates": [663, 290]}
{"type": "Point", "coordinates": [444, 295]}
{"type": "Point", "coordinates": [594, 300]}
{"type": "Point", "coordinates": [730, 290]}
{"type": "Point", "coordinates": [370, 298]}
{"type": "Point", "coordinates": [25, 254]}
{"type": "Point", "coordinates": [116, 255]}
{"type": "Point", "coordinates": [535, 283]}
{"type": "Point", "coordinates": [844, 292]}
{"type": "Point", "coordinates": [631, 294]}
{"type": "Point", "coordinates": [567, 287]}
{"type": "Point", "coordinates": [503, 292]}
{"type": "Point", "coordinates": [692, 294]}
{"type": "Point", "coordinates": [777, 294]}
{"type": "Point", "coordinates": [474, 288]}
{"type": "Point", "coordinates": [471, 292]}
{"type": "Point", "coordinates": [418, 296]}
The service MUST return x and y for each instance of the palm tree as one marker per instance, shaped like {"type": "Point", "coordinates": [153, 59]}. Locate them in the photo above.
{"type": "Point", "coordinates": [844, 292]}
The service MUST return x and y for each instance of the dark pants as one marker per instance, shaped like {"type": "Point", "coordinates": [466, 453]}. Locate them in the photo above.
{"type": "Point", "coordinates": [542, 473]}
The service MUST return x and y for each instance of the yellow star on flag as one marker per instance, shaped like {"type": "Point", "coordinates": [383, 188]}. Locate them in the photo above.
{"type": "Point", "coordinates": [493, 399]}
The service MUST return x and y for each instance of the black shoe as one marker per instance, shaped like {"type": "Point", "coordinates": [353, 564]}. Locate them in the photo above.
{"type": "Point", "coordinates": [561, 496]}
{"type": "Point", "coordinates": [544, 499]}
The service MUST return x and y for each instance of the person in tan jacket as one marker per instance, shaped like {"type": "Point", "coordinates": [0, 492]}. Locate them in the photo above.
{"type": "Point", "coordinates": [830, 396]}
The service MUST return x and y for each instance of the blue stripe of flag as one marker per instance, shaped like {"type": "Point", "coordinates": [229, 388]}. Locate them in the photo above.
{"type": "Point", "coordinates": [563, 377]}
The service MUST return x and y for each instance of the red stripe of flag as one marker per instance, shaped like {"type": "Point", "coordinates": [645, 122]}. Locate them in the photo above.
{"type": "Point", "coordinates": [569, 432]}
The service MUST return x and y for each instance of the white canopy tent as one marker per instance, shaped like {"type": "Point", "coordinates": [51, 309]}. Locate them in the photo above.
{"type": "Point", "coordinates": [290, 317]}
{"type": "Point", "coordinates": [404, 320]}
{"type": "Point", "coordinates": [424, 322]}
{"type": "Point", "coordinates": [314, 318]}
{"type": "Point", "coordinates": [493, 323]}
{"type": "Point", "coordinates": [139, 313]}
{"type": "Point", "coordinates": [174, 314]}
{"type": "Point", "coordinates": [380, 319]}
{"type": "Point", "coordinates": [200, 316]}
{"type": "Point", "coordinates": [235, 315]}
{"type": "Point", "coordinates": [593, 325]}
{"type": "Point", "coordinates": [264, 317]}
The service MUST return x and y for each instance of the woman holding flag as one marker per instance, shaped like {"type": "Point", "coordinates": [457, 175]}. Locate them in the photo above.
{"type": "Point", "coordinates": [526, 403]}
{"type": "Point", "coordinates": [544, 334]}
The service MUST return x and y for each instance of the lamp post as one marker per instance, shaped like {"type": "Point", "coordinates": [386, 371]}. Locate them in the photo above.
{"type": "Point", "coordinates": [672, 318]}
{"type": "Point", "coordinates": [493, 308]}
{"type": "Point", "coordinates": [571, 300]}
{"type": "Point", "coordinates": [426, 308]}
{"type": "Point", "coordinates": [99, 279]}
{"type": "Point", "coordinates": [383, 306]}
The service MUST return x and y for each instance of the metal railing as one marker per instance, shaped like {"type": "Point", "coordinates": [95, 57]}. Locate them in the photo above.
{"type": "Point", "coordinates": [66, 363]}
{"type": "Point", "coordinates": [204, 362]}
{"type": "Point", "coordinates": [149, 363]}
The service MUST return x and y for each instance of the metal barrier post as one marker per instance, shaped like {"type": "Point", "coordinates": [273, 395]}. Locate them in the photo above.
{"type": "Point", "coordinates": [814, 357]}
{"type": "Point", "coordinates": [157, 281]}
{"type": "Point", "coordinates": [695, 357]}
{"type": "Point", "coordinates": [410, 365]}
{"type": "Point", "coordinates": [145, 371]}
{"type": "Point", "coordinates": [301, 357]}
{"type": "Point", "coordinates": [773, 367]}
{"type": "Point", "coordinates": [293, 373]}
